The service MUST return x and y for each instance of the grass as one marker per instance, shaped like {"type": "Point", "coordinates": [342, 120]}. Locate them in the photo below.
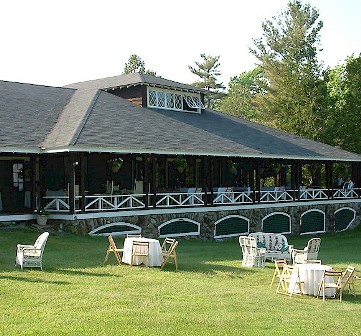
{"type": "Point", "coordinates": [211, 294]}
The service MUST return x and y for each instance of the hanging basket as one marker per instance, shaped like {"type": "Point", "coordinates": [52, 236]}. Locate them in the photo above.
{"type": "Point", "coordinates": [115, 168]}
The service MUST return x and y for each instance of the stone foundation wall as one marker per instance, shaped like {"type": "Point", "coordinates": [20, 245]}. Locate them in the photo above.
{"type": "Point", "coordinates": [150, 222]}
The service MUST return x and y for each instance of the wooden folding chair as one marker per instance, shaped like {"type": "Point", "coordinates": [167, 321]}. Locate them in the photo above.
{"type": "Point", "coordinates": [332, 280]}
{"type": "Point", "coordinates": [112, 248]}
{"type": "Point", "coordinates": [348, 280]}
{"type": "Point", "coordinates": [290, 281]}
{"type": "Point", "coordinates": [279, 264]}
{"type": "Point", "coordinates": [140, 249]}
{"type": "Point", "coordinates": [169, 251]}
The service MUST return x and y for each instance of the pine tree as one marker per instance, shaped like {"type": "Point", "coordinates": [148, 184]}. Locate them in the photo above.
{"type": "Point", "coordinates": [136, 64]}
{"type": "Point", "coordinates": [287, 53]}
{"type": "Point", "coordinates": [208, 72]}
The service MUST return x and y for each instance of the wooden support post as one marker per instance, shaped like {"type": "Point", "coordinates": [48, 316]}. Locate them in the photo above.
{"type": "Point", "coordinates": [146, 180]}
{"type": "Point", "coordinates": [33, 167]}
{"type": "Point", "coordinates": [82, 185]}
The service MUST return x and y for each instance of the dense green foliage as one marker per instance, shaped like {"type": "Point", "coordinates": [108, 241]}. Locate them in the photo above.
{"type": "Point", "coordinates": [207, 71]}
{"type": "Point", "coordinates": [290, 90]}
{"type": "Point", "coordinates": [241, 97]}
{"type": "Point", "coordinates": [136, 64]}
{"type": "Point", "coordinates": [210, 294]}
{"type": "Point", "coordinates": [343, 120]}
{"type": "Point", "coordinates": [287, 53]}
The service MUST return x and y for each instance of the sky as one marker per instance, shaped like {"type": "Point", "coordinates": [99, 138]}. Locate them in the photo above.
{"type": "Point", "coordinates": [52, 42]}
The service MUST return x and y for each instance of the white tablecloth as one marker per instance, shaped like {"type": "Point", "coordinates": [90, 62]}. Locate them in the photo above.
{"type": "Point", "coordinates": [155, 252]}
{"type": "Point", "coordinates": [311, 275]}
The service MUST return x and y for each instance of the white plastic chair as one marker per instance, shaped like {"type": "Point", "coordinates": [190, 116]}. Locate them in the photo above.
{"type": "Point", "coordinates": [32, 255]}
{"type": "Point", "coordinates": [310, 252]}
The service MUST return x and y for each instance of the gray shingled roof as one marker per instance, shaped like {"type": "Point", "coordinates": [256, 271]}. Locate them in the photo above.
{"type": "Point", "coordinates": [29, 112]}
{"type": "Point", "coordinates": [83, 117]}
{"type": "Point", "coordinates": [132, 79]}
{"type": "Point", "coordinates": [126, 127]}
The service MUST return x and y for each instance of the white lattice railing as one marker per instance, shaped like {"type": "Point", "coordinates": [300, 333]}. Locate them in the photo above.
{"type": "Point", "coordinates": [114, 202]}
{"type": "Point", "coordinates": [179, 199]}
{"type": "Point", "coordinates": [57, 203]}
{"type": "Point", "coordinates": [106, 202]}
{"type": "Point", "coordinates": [275, 196]}
{"type": "Point", "coordinates": [345, 193]}
{"type": "Point", "coordinates": [232, 197]}
{"type": "Point", "coordinates": [313, 194]}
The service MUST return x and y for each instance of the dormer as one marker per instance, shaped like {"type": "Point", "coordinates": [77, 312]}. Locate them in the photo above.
{"type": "Point", "coordinates": [159, 93]}
{"type": "Point", "coordinates": [172, 99]}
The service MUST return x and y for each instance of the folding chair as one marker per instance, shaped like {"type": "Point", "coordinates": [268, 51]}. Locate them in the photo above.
{"type": "Point", "coordinates": [279, 264]}
{"type": "Point", "coordinates": [140, 249]}
{"type": "Point", "coordinates": [113, 248]}
{"type": "Point", "coordinates": [169, 251]}
{"type": "Point", "coordinates": [332, 280]}
{"type": "Point", "coordinates": [290, 281]}
{"type": "Point", "coordinates": [348, 280]}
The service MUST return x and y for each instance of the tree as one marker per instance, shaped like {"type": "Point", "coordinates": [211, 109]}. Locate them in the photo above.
{"type": "Point", "coordinates": [136, 64]}
{"type": "Point", "coordinates": [343, 120]}
{"type": "Point", "coordinates": [287, 53]}
{"type": "Point", "coordinates": [208, 73]}
{"type": "Point", "coordinates": [241, 98]}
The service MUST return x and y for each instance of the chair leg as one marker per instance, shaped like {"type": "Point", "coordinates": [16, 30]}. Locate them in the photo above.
{"type": "Point", "coordinates": [273, 279]}
{"type": "Point", "coordinates": [106, 257]}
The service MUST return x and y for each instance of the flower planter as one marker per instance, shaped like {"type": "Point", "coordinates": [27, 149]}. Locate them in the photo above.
{"type": "Point", "coordinates": [42, 220]}
{"type": "Point", "coordinates": [115, 168]}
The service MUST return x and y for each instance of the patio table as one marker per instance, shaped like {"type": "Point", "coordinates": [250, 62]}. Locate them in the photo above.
{"type": "Point", "coordinates": [311, 276]}
{"type": "Point", "coordinates": [155, 252]}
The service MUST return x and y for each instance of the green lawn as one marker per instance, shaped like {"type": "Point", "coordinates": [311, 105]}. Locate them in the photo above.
{"type": "Point", "coordinates": [211, 294]}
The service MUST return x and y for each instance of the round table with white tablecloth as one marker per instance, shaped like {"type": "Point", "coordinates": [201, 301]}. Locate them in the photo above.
{"type": "Point", "coordinates": [311, 276]}
{"type": "Point", "coordinates": [155, 252]}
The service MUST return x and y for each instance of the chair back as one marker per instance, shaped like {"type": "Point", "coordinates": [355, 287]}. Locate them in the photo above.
{"type": "Point", "coordinates": [248, 244]}
{"type": "Point", "coordinates": [41, 241]}
{"type": "Point", "coordinates": [167, 244]}
{"type": "Point", "coordinates": [134, 235]}
{"type": "Point", "coordinates": [312, 248]}
{"type": "Point", "coordinates": [140, 248]}
{"type": "Point", "coordinates": [313, 245]}
{"type": "Point", "coordinates": [331, 277]}
{"type": "Point", "coordinates": [112, 243]}
{"type": "Point", "coordinates": [279, 265]}
{"type": "Point", "coordinates": [169, 251]}
{"type": "Point", "coordinates": [348, 275]}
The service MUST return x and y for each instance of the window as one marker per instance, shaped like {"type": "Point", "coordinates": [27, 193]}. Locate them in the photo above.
{"type": "Point", "coordinates": [174, 100]}
{"type": "Point", "coordinates": [194, 102]}
{"type": "Point", "coordinates": [18, 176]}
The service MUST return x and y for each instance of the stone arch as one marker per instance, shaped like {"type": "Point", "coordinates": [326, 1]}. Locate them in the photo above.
{"type": "Point", "coordinates": [230, 226]}
{"type": "Point", "coordinates": [312, 221]}
{"type": "Point", "coordinates": [344, 217]}
{"type": "Point", "coordinates": [116, 229]}
{"type": "Point", "coordinates": [277, 222]}
{"type": "Point", "coordinates": [179, 227]}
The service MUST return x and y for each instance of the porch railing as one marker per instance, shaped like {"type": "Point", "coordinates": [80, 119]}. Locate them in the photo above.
{"type": "Point", "coordinates": [107, 202]}
{"type": "Point", "coordinates": [114, 202]}
{"type": "Point", "coordinates": [275, 196]}
{"type": "Point", "coordinates": [165, 200]}
{"type": "Point", "coordinates": [313, 194]}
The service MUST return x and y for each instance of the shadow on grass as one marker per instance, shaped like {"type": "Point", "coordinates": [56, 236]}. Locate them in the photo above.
{"type": "Point", "coordinates": [77, 272]}
{"type": "Point", "coordinates": [32, 280]}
